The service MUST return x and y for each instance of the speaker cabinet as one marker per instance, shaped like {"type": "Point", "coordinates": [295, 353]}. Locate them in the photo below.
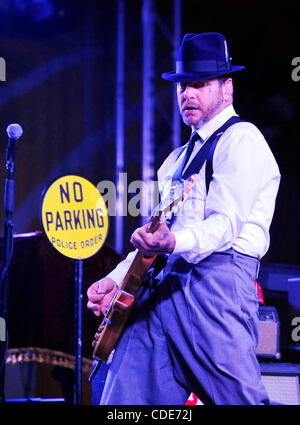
{"type": "Point", "coordinates": [283, 389]}
{"type": "Point", "coordinates": [269, 333]}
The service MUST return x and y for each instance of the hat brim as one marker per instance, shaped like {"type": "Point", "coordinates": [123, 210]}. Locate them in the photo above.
{"type": "Point", "coordinates": [198, 76]}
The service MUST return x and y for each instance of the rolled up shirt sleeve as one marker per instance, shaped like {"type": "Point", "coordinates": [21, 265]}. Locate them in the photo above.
{"type": "Point", "coordinates": [119, 272]}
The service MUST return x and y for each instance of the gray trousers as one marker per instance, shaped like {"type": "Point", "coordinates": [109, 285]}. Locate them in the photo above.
{"type": "Point", "coordinates": [194, 330]}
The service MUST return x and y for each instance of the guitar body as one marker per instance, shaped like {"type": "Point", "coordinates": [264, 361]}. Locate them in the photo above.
{"type": "Point", "coordinates": [115, 320]}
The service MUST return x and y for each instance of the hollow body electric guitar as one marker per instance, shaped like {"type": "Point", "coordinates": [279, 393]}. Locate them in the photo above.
{"type": "Point", "coordinates": [118, 312]}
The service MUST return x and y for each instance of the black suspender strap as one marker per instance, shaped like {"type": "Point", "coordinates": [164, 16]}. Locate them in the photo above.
{"type": "Point", "coordinates": [207, 151]}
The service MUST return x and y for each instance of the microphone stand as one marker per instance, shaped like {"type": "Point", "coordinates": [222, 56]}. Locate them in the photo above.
{"type": "Point", "coordinates": [8, 249]}
{"type": "Point", "coordinates": [77, 394]}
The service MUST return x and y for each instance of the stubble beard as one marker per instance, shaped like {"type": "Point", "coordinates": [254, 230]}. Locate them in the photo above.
{"type": "Point", "coordinates": [208, 114]}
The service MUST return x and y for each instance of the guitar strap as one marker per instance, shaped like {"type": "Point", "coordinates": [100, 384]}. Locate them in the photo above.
{"type": "Point", "coordinates": [206, 153]}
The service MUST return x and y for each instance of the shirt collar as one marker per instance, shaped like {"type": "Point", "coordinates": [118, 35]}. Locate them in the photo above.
{"type": "Point", "coordinates": [216, 122]}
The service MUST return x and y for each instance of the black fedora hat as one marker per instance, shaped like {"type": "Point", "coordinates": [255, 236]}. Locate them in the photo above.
{"type": "Point", "coordinates": [202, 57]}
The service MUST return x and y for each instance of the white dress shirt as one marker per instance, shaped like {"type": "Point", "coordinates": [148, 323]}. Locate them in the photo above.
{"type": "Point", "coordinates": [238, 210]}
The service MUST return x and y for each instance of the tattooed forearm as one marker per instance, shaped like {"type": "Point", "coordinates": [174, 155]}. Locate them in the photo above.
{"type": "Point", "coordinates": [164, 242]}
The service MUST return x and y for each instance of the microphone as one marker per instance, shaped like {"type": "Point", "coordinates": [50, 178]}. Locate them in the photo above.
{"type": "Point", "coordinates": [14, 132]}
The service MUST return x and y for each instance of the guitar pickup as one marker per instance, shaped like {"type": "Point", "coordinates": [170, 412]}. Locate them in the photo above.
{"type": "Point", "coordinates": [123, 301]}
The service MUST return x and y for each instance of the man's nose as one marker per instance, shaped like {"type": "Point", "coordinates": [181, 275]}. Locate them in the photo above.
{"type": "Point", "coordinates": [188, 92]}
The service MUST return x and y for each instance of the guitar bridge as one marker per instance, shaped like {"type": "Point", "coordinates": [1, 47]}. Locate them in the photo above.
{"type": "Point", "coordinates": [124, 300]}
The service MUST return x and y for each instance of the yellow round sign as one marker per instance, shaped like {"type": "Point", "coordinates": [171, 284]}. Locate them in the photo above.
{"type": "Point", "coordinates": [74, 217]}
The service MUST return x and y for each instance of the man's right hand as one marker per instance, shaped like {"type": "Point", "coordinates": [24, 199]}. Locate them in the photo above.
{"type": "Point", "coordinates": [100, 294]}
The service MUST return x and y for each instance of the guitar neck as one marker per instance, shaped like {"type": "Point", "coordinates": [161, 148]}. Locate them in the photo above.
{"type": "Point", "coordinates": [140, 265]}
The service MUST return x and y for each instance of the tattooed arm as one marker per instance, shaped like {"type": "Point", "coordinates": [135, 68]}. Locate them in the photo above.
{"type": "Point", "coordinates": [162, 241]}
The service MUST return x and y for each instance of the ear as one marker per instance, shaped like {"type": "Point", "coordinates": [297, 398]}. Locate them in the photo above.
{"type": "Point", "coordinates": [227, 89]}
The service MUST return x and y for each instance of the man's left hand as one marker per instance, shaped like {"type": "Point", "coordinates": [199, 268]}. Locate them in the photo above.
{"type": "Point", "coordinates": [162, 241]}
